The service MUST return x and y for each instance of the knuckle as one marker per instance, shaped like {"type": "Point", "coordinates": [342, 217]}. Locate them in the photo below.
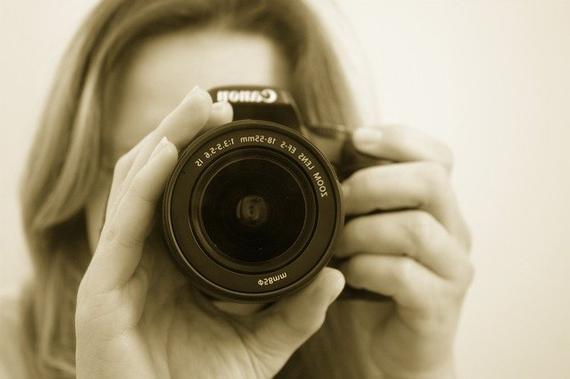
{"type": "Point", "coordinates": [436, 315]}
{"type": "Point", "coordinates": [108, 234]}
{"type": "Point", "coordinates": [468, 274]}
{"type": "Point", "coordinates": [467, 238]}
{"type": "Point", "coordinates": [433, 182]}
{"type": "Point", "coordinates": [125, 239]}
{"type": "Point", "coordinates": [433, 174]}
{"type": "Point", "coordinates": [436, 303]}
{"type": "Point", "coordinates": [404, 274]}
{"type": "Point", "coordinates": [117, 237]}
{"type": "Point", "coordinates": [457, 288]}
{"type": "Point", "coordinates": [419, 229]}
{"type": "Point", "coordinates": [447, 157]}
{"type": "Point", "coordinates": [138, 190]}
{"type": "Point", "coordinates": [454, 294]}
{"type": "Point", "coordinates": [127, 243]}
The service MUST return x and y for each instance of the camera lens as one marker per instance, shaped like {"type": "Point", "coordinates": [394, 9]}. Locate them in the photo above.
{"type": "Point", "coordinates": [253, 209]}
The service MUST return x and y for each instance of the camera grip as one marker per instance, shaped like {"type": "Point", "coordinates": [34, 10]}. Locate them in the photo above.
{"type": "Point", "coordinates": [352, 160]}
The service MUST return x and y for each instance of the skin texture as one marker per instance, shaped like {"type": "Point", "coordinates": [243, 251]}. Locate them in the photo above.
{"type": "Point", "coordinates": [415, 251]}
{"type": "Point", "coordinates": [136, 316]}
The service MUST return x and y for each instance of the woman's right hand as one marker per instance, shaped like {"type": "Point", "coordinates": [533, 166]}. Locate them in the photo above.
{"type": "Point", "coordinates": [136, 319]}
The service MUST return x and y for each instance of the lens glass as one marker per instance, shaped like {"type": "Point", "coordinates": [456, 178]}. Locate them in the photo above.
{"type": "Point", "coordinates": [252, 209]}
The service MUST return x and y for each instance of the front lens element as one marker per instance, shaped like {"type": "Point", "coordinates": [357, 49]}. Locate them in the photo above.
{"type": "Point", "coordinates": [253, 210]}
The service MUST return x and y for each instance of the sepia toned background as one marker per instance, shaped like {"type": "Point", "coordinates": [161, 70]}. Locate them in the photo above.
{"type": "Point", "coordinates": [489, 78]}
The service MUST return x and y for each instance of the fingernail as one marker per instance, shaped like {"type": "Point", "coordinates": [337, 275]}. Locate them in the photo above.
{"type": "Point", "coordinates": [164, 142]}
{"type": "Point", "coordinates": [197, 90]}
{"type": "Point", "coordinates": [366, 138]}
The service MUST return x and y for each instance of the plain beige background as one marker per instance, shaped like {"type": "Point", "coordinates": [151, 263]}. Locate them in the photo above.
{"type": "Point", "coordinates": [490, 78]}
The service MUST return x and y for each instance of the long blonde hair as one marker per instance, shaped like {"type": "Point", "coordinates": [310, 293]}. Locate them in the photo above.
{"type": "Point", "coordinates": [66, 154]}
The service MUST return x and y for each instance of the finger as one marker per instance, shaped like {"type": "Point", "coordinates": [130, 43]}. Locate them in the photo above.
{"type": "Point", "coordinates": [136, 288]}
{"type": "Point", "coordinates": [408, 282]}
{"type": "Point", "coordinates": [401, 144]}
{"type": "Point", "coordinates": [122, 167]}
{"type": "Point", "coordinates": [179, 126]}
{"type": "Point", "coordinates": [421, 185]}
{"type": "Point", "coordinates": [415, 234]}
{"type": "Point", "coordinates": [186, 120]}
{"type": "Point", "coordinates": [123, 236]}
{"type": "Point", "coordinates": [222, 113]}
{"type": "Point", "coordinates": [290, 322]}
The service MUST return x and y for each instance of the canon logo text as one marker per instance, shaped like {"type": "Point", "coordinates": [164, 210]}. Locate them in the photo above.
{"type": "Point", "coordinates": [266, 95]}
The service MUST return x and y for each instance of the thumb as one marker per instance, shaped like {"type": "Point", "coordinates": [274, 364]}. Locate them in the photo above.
{"type": "Point", "coordinates": [291, 321]}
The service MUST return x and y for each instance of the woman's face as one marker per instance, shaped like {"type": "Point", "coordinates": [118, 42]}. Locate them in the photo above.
{"type": "Point", "coordinates": [157, 75]}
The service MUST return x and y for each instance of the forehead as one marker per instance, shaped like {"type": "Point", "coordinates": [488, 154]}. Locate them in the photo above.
{"type": "Point", "coordinates": [161, 70]}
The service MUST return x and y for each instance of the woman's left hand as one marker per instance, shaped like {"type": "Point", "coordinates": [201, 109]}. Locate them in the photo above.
{"type": "Point", "coordinates": [414, 250]}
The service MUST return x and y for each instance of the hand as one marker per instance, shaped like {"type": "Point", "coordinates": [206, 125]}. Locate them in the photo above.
{"type": "Point", "coordinates": [415, 250]}
{"type": "Point", "coordinates": [137, 318]}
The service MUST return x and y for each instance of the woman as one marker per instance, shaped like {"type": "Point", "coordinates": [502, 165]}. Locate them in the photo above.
{"type": "Point", "coordinates": [106, 301]}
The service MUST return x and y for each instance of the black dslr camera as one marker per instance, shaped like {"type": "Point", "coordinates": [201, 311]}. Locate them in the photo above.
{"type": "Point", "coordinates": [253, 208]}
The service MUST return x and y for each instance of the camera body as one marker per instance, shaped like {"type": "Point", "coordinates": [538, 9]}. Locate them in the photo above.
{"type": "Point", "coordinates": [253, 209]}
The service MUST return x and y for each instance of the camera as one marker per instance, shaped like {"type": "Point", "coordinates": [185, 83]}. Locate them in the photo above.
{"type": "Point", "coordinates": [253, 208]}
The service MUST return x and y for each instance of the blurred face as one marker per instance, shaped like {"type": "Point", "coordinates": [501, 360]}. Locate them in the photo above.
{"type": "Point", "coordinates": [157, 75]}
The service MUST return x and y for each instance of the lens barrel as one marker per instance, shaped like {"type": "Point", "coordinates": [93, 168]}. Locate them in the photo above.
{"type": "Point", "coordinates": [251, 211]}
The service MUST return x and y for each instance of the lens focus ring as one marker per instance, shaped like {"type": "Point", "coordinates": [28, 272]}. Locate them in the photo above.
{"type": "Point", "coordinates": [251, 211]}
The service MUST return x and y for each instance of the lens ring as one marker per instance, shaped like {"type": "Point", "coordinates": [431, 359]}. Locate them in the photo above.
{"type": "Point", "coordinates": [201, 191]}
{"type": "Point", "coordinates": [217, 280]}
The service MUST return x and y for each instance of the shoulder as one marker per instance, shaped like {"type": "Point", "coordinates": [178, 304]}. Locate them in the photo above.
{"type": "Point", "coordinates": [12, 361]}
